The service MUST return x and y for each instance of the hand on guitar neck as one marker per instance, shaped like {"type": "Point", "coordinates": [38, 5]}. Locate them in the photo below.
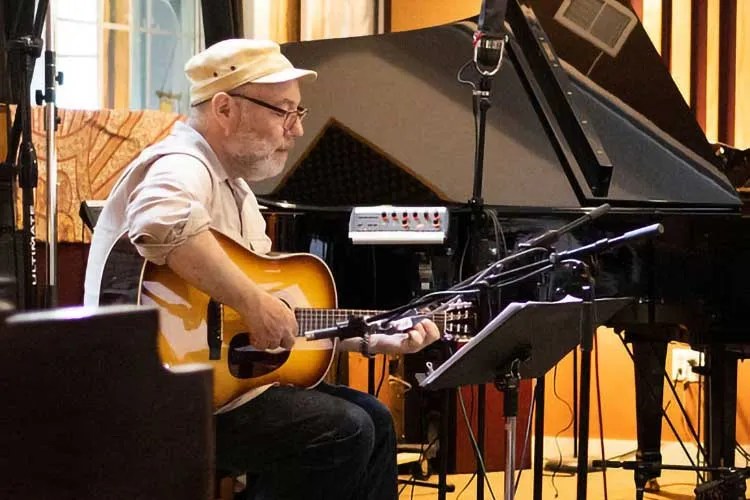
{"type": "Point", "coordinates": [421, 335]}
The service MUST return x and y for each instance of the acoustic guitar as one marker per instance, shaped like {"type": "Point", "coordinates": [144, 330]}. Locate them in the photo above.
{"type": "Point", "coordinates": [195, 328]}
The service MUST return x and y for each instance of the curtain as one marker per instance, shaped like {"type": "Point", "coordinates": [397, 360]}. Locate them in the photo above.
{"type": "Point", "coordinates": [294, 20]}
{"type": "Point", "coordinates": [322, 19]}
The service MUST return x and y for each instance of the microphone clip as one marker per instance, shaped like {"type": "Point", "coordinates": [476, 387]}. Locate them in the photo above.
{"type": "Point", "coordinates": [488, 53]}
{"type": "Point", "coordinates": [355, 326]}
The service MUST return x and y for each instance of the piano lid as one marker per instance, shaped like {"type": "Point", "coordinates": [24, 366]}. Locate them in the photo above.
{"type": "Point", "coordinates": [391, 124]}
{"type": "Point", "coordinates": [635, 73]}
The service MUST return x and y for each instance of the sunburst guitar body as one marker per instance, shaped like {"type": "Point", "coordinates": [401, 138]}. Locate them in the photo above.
{"type": "Point", "coordinates": [194, 328]}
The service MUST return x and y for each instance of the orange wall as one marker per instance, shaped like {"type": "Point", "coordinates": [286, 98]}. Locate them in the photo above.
{"type": "Point", "coordinates": [618, 396]}
{"type": "Point", "coordinates": [414, 14]}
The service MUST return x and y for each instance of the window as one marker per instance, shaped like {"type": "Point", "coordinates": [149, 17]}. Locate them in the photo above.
{"type": "Point", "coordinates": [77, 35]}
{"type": "Point", "coordinates": [124, 54]}
{"type": "Point", "coordinates": [163, 37]}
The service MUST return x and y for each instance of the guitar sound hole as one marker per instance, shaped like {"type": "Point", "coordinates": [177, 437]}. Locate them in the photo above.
{"type": "Point", "coordinates": [247, 362]}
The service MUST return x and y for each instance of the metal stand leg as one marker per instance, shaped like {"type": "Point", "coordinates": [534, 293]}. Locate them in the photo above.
{"type": "Point", "coordinates": [509, 385]}
{"type": "Point", "coordinates": [538, 437]}
{"type": "Point", "coordinates": [587, 344]}
{"type": "Point", "coordinates": [481, 408]}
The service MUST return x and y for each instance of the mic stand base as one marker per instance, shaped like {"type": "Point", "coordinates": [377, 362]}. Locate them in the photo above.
{"type": "Point", "coordinates": [508, 382]}
{"type": "Point", "coordinates": [447, 396]}
{"type": "Point", "coordinates": [424, 484]}
{"type": "Point", "coordinates": [730, 485]}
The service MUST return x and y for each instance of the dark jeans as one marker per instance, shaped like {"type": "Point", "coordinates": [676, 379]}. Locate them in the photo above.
{"type": "Point", "coordinates": [332, 442]}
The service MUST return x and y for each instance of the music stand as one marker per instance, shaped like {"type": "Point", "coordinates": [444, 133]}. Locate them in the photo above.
{"type": "Point", "coordinates": [524, 341]}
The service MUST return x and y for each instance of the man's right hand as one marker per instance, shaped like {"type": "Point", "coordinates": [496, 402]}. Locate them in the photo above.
{"type": "Point", "coordinates": [202, 262]}
{"type": "Point", "coordinates": [270, 322]}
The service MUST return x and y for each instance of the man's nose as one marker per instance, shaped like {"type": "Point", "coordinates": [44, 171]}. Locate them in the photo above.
{"type": "Point", "coordinates": [297, 129]}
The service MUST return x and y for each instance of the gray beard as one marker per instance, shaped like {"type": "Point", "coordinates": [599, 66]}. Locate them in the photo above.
{"type": "Point", "coordinates": [247, 160]}
{"type": "Point", "coordinates": [255, 168]}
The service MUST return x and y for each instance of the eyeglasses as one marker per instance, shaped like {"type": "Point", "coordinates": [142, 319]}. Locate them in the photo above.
{"type": "Point", "coordinates": [290, 117]}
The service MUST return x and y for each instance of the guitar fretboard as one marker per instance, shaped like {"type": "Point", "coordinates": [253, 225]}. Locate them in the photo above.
{"type": "Point", "coordinates": [315, 319]}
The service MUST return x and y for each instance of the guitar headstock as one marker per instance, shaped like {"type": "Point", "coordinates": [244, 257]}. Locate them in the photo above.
{"type": "Point", "coordinates": [460, 320]}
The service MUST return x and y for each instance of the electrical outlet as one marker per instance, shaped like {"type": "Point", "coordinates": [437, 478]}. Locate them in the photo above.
{"type": "Point", "coordinates": [683, 361]}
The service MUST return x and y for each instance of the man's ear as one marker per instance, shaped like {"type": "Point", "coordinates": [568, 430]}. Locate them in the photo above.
{"type": "Point", "coordinates": [225, 112]}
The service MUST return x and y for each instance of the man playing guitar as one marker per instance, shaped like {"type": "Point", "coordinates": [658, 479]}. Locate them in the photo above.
{"type": "Point", "coordinates": [329, 442]}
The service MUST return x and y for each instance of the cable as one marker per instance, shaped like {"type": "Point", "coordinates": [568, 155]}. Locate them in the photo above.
{"type": "Point", "coordinates": [481, 274]}
{"type": "Point", "coordinates": [474, 443]}
{"type": "Point", "coordinates": [459, 77]}
{"type": "Point", "coordinates": [682, 407]}
{"type": "Point", "coordinates": [557, 436]}
{"type": "Point", "coordinates": [382, 375]}
{"type": "Point", "coordinates": [526, 276]}
{"type": "Point", "coordinates": [498, 228]}
{"type": "Point", "coordinates": [499, 236]}
{"type": "Point", "coordinates": [663, 410]}
{"type": "Point", "coordinates": [596, 60]}
{"type": "Point", "coordinates": [743, 453]}
{"type": "Point", "coordinates": [686, 387]}
{"type": "Point", "coordinates": [396, 313]}
{"type": "Point", "coordinates": [472, 390]}
{"type": "Point", "coordinates": [599, 406]}
{"type": "Point", "coordinates": [466, 486]}
{"type": "Point", "coordinates": [700, 412]}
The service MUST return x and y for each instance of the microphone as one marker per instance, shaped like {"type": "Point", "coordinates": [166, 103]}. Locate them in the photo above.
{"type": "Point", "coordinates": [635, 234]}
{"type": "Point", "coordinates": [607, 243]}
{"type": "Point", "coordinates": [551, 236]}
{"type": "Point", "coordinates": [489, 39]}
{"type": "Point", "coordinates": [355, 326]}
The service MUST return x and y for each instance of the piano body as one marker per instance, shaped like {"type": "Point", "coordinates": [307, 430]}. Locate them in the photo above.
{"type": "Point", "coordinates": [390, 124]}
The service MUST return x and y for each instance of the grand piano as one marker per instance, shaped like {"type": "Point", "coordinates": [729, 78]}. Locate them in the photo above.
{"type": "Point", "coordinates": [570, 127]}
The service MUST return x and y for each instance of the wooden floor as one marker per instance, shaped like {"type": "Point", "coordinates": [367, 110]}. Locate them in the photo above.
{"type": "Point", "coordinates": [674, 485]}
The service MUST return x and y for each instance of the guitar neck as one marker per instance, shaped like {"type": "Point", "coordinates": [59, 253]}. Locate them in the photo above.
{"type": "Point", "coordinates": [315, 319]}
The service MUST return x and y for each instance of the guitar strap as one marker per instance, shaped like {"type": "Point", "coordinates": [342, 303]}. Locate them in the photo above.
{"type": "Point", "coordinates": [122, 274]}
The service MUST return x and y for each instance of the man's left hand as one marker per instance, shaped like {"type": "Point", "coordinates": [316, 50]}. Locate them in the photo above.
{"type": "Point", "coordinates": [423, 334]}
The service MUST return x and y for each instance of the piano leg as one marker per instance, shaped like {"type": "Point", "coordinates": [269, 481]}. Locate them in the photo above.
{"type": "Point", "coordinates": [649, 360]}
{"type": "Point", "coordinates": [720, 406]}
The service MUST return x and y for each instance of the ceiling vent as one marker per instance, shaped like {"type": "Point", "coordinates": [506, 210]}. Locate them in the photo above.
{"type": "Point", "coordinates": [604, 23]}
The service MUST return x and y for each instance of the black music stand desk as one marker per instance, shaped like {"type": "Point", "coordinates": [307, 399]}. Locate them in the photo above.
{"type": "Point", "coordinates": [537, 334]}
{"type": "Point", "coordinates": [524, 341]}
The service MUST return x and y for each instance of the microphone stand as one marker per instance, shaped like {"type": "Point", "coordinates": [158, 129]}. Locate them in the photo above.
{"type": "Point", "coordinates": [481, 103]}
{"type": "Point", "coordinates": [29, 48]}
{"type": "Point", "coordinates": [545, 239]}
{"type": "Point", "coordinates": [588, 330]}
{"type": "Point", "coordinates": [489, 45]}
{"type": "Point", "coordinates": [51, 121]}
